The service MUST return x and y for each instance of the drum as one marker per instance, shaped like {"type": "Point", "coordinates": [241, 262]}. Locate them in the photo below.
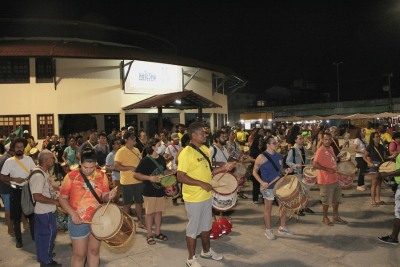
{"type": "Point", "coordinates": [346, 174]}
{"type": "Point", "coordinates": [310, 154]}
{"type": "Point", "coordinates": [388, 166]}
{"type": "Point", "coordinates": [344, 156]}
{"type": "Point", "coordinates": [115, 227]}
{"type": "Point", "coordinates": [170, 185]}
{"type": "Point", "coordinates": [307, 144]}
{"type": "Point", "coordinates": [224, 195]}
{"type": "Point", "coordinates": [240, 170]}
{"type": "Point", "coordinates": [309, 176]}
{"type": "Point", "coordinates": [289, 193]}
{"type": "Point", "coordinates": [61, 219]}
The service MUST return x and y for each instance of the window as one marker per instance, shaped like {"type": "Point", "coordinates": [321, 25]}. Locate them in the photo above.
{"type": "Point", "coordinates": [217, 84]}
{"type": "Point", "coordinates": [14, 70]}
{"type": "Point", "coordinates": [9, 124]}
{"type": "Point", "coordinates": [44, 70]}
{"type": "Point", "coordinates": [45, 125]}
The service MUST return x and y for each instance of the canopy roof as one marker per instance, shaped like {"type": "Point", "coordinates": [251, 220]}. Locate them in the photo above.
{"type": "Point", "coordinates": [178, 100]}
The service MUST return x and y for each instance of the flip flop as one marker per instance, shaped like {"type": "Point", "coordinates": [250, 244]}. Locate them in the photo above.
{"type": "Point", "coordinates": [326, 221]}
{"type": "Point", "coordinates": [339, 221]}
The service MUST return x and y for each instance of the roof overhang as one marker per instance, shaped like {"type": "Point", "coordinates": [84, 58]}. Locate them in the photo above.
{"type": "Point", "coordinates": [177, 100]}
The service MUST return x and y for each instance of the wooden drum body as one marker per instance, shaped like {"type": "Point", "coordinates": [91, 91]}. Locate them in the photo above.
{"type": "Point", "coordinates": [289, 193]}
{"type": "Point", "coordinates": [115, 227]}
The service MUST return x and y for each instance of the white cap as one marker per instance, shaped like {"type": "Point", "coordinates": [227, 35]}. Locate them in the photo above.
{"type": "Point", "coordinates": [26, 131]}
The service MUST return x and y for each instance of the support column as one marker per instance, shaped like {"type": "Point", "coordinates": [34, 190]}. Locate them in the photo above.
{"type": "Point", "coordinates": [182, 117]}
{"type": "Point", "coordinates": [160, 119]}
{"type": "Point", "coordinates": [121, 119]}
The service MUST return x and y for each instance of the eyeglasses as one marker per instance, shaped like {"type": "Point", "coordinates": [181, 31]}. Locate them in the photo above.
{"type": "Point", "coordinates": [273, 143]}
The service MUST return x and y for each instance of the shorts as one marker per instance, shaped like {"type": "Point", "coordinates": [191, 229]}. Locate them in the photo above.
{"type": "Point", "coordinates": [199, 215]}
{"type": "Point", "coordinates": [397, 203]}
{"type": "Point", "coordinates": [78, 231]}
{"type": "Point", "coordinates": [154, 204]}
{"type": "Point", "coordinates": [132, 192]}
{"type": "Point", "coordinates": [330, 193]}
{"type": "Point", "coordinates": [6, 201]}
{"type": "Point", "coordinates": [267, 193]}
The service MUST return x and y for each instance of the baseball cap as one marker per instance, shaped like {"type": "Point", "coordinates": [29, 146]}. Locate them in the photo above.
{"type": "Point", "coordinates": [174, 136]}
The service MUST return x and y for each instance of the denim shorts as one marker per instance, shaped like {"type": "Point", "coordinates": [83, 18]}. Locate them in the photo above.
{"type": "Point", "coordinates": [78, 231]}
{"type": "Point", "coordinates": [6, 201]}
{"type": "Point", "coordinates": [267, 193]}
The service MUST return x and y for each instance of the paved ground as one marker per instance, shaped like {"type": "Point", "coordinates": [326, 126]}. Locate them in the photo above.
{"type": "Point", "coordinates": [313, 244]}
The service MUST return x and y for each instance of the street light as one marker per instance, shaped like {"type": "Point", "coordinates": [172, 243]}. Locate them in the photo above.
{"type": "Point", "coordinates": [388, 88]}
{"type": "Point", "coordinates": [337, 63]}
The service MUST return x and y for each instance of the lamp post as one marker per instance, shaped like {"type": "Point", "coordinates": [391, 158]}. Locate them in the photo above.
{"type": "Point", "coordinates": [388, 88]}
{"type": "Point", "coordinates": [337, 63]}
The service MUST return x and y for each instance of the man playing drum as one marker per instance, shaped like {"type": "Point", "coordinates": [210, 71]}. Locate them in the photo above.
{"type": "Point", "coordinates": [328, 180]}
{"type": "Point", "coordinates": [80, 204]}
{"type": "Point", "coordinates": [195, 173]}
{"type": "Point", "coordinates": [296, 159]}
{"type": "Point", "coordinates": [270, 173]}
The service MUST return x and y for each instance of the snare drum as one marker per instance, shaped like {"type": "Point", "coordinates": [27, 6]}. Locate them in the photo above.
{"type": "Point", "coordinates": [309, 176]}
{"type": "Point", "coordinates": [224, 195]}
{"type": "Point", "coordinates": [115, 227]}
{"type": "Point", "coordinates": [170, 185]}
{"type": "Point", "coordinates": [346, 174]}
{"type": "Point", "coordinates": [289, 193]}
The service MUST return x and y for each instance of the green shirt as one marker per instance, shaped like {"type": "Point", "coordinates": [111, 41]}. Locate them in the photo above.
{"type": "Point", "coordinates": [397, 178]}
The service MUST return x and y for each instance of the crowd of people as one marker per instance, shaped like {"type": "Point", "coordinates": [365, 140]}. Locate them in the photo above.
{"type": "Point", "coordinates": [126, 167]}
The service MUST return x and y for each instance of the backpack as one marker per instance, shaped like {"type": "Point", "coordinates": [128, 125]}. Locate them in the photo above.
{"type": "Point", "coordinates": [27, 203]}
{"type": "Point", "coordinates": [215, 153]}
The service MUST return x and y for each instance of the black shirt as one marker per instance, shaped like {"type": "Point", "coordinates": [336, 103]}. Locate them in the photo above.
{"type": "Point", "coordinates": [4, 188]}
{"type": "Point", "coordinates": [148, 167]}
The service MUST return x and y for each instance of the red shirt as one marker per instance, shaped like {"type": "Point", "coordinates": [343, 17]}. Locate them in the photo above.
{"type": "Point", "coordinates": [325, 157]}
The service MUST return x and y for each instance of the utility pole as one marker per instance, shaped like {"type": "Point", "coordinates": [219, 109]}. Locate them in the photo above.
{"type": "Point", "coordinates": [337, 63]}
{"type": "Point", "coordinates": [388, 88]}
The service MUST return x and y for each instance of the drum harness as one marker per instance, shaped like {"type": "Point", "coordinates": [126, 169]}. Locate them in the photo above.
{"type": "Point", "coordinates": [160, 168]}
{"type": "Point", "coordinates": [89, 185]}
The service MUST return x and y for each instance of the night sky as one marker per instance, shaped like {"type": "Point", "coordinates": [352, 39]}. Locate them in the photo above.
{"type": "Point", "coordinates": [266, 42]}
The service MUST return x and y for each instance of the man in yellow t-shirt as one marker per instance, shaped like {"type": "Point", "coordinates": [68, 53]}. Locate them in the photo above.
{"type": "Point", "coordinates": [126, 160]}
{"type": "Point", "coordinates": [195, 173]}
{"type": "Point", "coordinates": [241, 136]}
{"type": "Point", "coordinates": [368, 131]}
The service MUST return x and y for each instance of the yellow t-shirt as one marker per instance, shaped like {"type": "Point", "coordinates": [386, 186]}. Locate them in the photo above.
{"type": "Point", "coordinates": [368, 133]}
{"type": "Point", "coordinates": [386, 138]}
{"type": "Point", "coordinates": [195, 166]}
{"type": "Point", "coordinates": [128, 158]}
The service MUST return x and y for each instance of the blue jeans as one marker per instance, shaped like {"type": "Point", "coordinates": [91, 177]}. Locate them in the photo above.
{"type": "Point", "coordinates": [45, 235]}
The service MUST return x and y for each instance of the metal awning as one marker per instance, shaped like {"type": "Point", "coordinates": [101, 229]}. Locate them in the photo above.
{"type": "Point", "coordinates": [178, 100]}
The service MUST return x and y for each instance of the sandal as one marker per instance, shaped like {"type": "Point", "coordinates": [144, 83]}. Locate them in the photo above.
{"type": "Point", "coordinates": [161, 237]}
{"type": "Point", "coordinates": [142, 226]}
{"type": "Point", "coordinates": [150, 240]}
{"type": "Point", "coordinates": [339, 221]}
{"type": "Point", "coordinates": [327, 222]}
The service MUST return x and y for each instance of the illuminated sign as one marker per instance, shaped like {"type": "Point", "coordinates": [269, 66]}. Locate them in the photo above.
{"type": "Point", "coordinates": [153, 78]}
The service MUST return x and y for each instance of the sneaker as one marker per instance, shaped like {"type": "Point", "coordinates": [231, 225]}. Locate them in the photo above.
{"type": "Point", "coordinates": [270, 234]}
{"type": "Point", "coordinates": [19, 244]}
{"type": "Point", "coordinates": [388, 239]}
{"type": "Point", "coordinates": [284, 231]}
{"type": "Point", "coordinates": [308, 210]}
{"type": "Point", "coordinates": [193, 262]}
{"type": "Point", "coordinates": [256, 203]}
{"type": "Point", "coordinates": [211, 255]}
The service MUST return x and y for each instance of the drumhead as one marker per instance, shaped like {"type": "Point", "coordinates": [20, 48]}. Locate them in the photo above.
{"type": "Point", "coordinates": [344, 156]}
{"type": "Point", "coordinates": [387, 166]}
{"type": "Point", "coordinates": [310, 171]}
{"type": "Point", "coordinates": [286, 186]}
{"type": "Point", "coordinates": [224, 183]}
{"type": "Point", "coordinates": [346, 168]}
{"type": "Point", "coordinates": [168, 181]}
{"type": "Point", "coordinates": [107, 225]}
{"type": "Point", "coordinates": [240, 170]}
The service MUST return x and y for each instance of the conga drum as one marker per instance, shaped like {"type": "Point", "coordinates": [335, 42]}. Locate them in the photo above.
{"type": "Point", "coordinates": [387, 166]}
{"type": "Point", "coordinates": [114, 227]}
{"type": "Point", "coordinates": [224, 195]}
{"type": "Point", "coordinates": [289, 193]}
{"type": "Point", "coordinates": [346, 173]}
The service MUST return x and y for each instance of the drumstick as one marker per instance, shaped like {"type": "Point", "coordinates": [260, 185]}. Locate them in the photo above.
{"type": "Point", "coordinates": [109, 200]}
{"type": "Point", "coordinates": [219, 185]}
{"type": "Point", "coordinates": [222, 175]}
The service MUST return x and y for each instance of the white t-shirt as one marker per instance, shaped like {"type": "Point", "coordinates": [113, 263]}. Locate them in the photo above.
{"type": "Point", "coordinates": [220, 155]}
{"type": "Point", "coordinates": [12, 168]}
{"type": "Point", "coordinates": [360, 146]}
{"type": "Point", "coordinates": [172, 150]}
{"type": "Point", "coordinates": [40, 184]}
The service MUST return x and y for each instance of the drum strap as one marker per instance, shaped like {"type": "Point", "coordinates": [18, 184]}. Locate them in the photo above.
{"type": "Point", "coordinates": [90, 187]}
{"type": "Point", "coordinates": [202, 153]}
{"type": "Point", "coordinates": [379, 153]}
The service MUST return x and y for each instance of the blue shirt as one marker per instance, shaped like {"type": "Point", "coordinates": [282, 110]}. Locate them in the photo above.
{"type": "Point", "coordinates": [268, 171]}
{"type": "Point", "coordinates": [110, 162]}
